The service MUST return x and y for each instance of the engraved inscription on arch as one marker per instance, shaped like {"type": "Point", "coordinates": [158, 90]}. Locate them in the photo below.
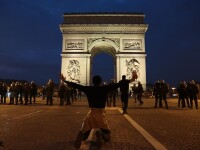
{"type": "Point", "coordinates": [132, 44]}
{"type": "Point", "coordinates": [74, 44]}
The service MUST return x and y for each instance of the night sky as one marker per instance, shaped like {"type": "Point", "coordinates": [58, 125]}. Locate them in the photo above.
{"type": "Point", "coordinates": [31, 41]}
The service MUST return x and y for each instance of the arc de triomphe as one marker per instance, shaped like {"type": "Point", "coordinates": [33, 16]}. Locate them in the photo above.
{"type": "Point", "coordinates": [87, 34]}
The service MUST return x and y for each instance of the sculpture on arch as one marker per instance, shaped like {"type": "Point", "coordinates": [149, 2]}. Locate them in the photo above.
{"type": "Point", "coordinates": [132, 65]}
{"type": "Point", "coordinates": [73, 70]}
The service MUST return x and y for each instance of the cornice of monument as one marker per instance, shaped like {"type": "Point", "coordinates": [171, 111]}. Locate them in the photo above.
{"type": "Point", "coordinates": [103, 28]}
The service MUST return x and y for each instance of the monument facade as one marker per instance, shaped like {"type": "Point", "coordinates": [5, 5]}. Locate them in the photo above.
{"type": "Point", "coordinates": [88, 34]}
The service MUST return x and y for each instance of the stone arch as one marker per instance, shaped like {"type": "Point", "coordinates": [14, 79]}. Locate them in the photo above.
{"type": "Point", "coordinates": [122, 35]}
{"type": "Point", "coordinates": [106, 48]}
{"type": "Point", "coordinates": [109, 42]}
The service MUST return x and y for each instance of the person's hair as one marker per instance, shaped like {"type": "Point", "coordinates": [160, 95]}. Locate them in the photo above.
{"type": "Point", "coordinates": [97, 80]}
{"type": "Point", "coordinates": [123, 77]}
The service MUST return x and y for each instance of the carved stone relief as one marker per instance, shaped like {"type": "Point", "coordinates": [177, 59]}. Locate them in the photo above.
{"type": "Point", "coordinates": [132, 65]}
{"type": "Point", "coordinates": [73, 70]}
{"type": "Point", "coordinates": [115, 41]}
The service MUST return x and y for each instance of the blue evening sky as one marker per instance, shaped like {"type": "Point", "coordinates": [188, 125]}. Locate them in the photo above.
{"type": "Point", "coordinates": [30, 38]}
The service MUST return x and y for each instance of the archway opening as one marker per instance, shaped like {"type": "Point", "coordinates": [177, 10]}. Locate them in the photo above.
{"type": "Point", "coordinates": [103, 65]}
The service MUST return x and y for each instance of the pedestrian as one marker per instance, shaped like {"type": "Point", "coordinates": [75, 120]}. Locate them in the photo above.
{"type": "Point", "coordinates": [17, 90]}
{"type": "Point", "coordinates": [49, 92]}
{"type": "Point", "coordinates": [124, 90]}
{"type": "Point", "coordinates": [112, 95]}
{"type": "Point", "coordinates": [61, 93]}
{"type": "Point", "coordinates": [68, 96]}
{"type": "Point", "coordinates": [1, 86]}
{"type": "Point", "coordinates": [12, 93]}
{"type": "Point", "coordinates": [183, 94]}
{"type": "Point", "coordinates": [156, 89]}
{"type": "Point", "coordinates": [33, 92]}
{"type": "Point", "coordinates": [186, 93]}
{"type": "Point", "coordinates": [26, 91]}
{"type": "Point", "coordinates": [140, 92]}
{"type": "Point", "coordinates": [43, 92]}
{"type": "Point", "coordinates": [193, 91]}
{"type": "Point", "coordinates": [21, 93]}
{"type": "Point", "coordinates": [4, 89]}
{"type": "Point", "coordinates": [79, 94]}
{"type": "Point", "coordinates": [134, 90]}
{"type": "Point", "coordinates": [95, 118]}
{"type": "Point", "coordinates": [163, 93]}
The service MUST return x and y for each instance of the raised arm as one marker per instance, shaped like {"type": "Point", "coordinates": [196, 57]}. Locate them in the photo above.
{"type": "Point", "coordinates": [134, 76]}
{"type": "Point", "coordinates": [77, 86]}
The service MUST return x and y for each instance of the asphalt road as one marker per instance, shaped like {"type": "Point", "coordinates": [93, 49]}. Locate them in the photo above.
{"type": "Point", "coordinates": [42, 127]}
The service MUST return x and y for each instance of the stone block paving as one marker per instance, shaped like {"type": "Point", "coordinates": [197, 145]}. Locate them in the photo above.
{"type": "Point", "coordinates": [41, 127]}
{"type": "Point", "coordinates": [124, 136]}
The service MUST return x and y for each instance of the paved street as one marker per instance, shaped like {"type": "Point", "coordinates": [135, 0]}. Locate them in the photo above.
{"type": "Point", "coordinates": [42, 127]}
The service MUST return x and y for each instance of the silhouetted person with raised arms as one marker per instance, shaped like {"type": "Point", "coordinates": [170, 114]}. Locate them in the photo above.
{"type": "Point", "coordinates": [124, 90]}
{"type": "Point", "coordinates": [95, 118]}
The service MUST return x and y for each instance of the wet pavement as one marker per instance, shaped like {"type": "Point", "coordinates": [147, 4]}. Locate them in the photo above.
{"type": "Point", "coordinates": [43, 127]}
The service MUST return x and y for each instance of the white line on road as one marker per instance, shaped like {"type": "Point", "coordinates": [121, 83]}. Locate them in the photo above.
{"type": "Point", "coordinates": [156, 144]}
{"type": "Point", "coordinates": [25, 115]}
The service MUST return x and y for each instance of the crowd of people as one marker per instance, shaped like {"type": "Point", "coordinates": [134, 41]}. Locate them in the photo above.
{"type": "Point", "coordinates": [19, 93]}
{"type": "Point", "coordinates": [27, 93]}
{"type": "Point", "coordinates": [98, 97]}
{"type": "Point", "coordinates": [187, 93]}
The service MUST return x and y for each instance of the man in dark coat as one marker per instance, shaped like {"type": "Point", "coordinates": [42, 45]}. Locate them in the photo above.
{"type": "Point", "coordinates": [163, 93]}
{"type": "Point", "coordinates": [62, 93]}
{"type": "Point", "coordinates": [156, 90]}
{"type": "Point", "coordinates": [124, 90]}
{"type": "Point", "coordinates": [193, 91]}
{"type": "Point", "coordinates": [33, 92]}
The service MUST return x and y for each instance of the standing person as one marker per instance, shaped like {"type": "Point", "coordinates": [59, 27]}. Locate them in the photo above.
{"type": "Point", "coordinates": [1, 85]}
{"type": "Point", "coordinates": [43, 92]}
{"type": "Point", "coordinates": [186, 94]}
{"type": "Point", "coordinates": [26, 91]}
{"type": "Point", "coordinates": [33, 91]}
{"type": "Point", "coordinates": [163, 93]}
{"type": "Point", "coordinates": [107, 98]}
{"type": "Point", "coordinates": [12, 93]}
{"type": "Point", "coordinates": [3, 93]}
{"type": "Point", "coordinates": [67, 95]}
{"type": "Point", "coordinates": [182, 90]}
{"type": "Point", "coordinates": [156, 89]}
{"type": "Point", "coordinates": [21, 93]}
{"type": "Point", "coordinates": [95, 118]}
{"type": "Point", "coordinates": [79, 94]}
{"type": "Point", "coordinates": [49, 92]}
{"type": "Point", "coordinates": [112, 95]}
{"type": "Point", "coordinates": [61, 93]}
{"type": "Point", "coordinates": [193, 91]}
{"type": "Point", "coordinates": [140, 92]}
{"type": "Point", "coordinates": [16, 93]}
{"type": "Point", "coordinates": [180, 93]}
{"type": "Point", "coordinates": [124, 89]}
{"type": "Point", "coordinates": [134, 90]}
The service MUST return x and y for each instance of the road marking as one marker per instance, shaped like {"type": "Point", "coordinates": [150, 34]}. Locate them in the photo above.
{"type": "Point", "coordinates": [156, 144]}
{"type": "Point", "coordinates": [25, 115]}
